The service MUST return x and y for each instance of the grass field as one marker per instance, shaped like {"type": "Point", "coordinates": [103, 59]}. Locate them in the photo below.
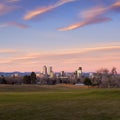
{"type": "Point", "coordinates": [59, 102]}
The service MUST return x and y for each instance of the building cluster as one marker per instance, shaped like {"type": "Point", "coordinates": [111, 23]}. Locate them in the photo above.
{"type": "Point", "coordinates": [102, 78]}
{"type": "Point", "coordinates": [48, 72]}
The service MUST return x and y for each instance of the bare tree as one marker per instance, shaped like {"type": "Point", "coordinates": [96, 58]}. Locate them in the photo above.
{"type": "Point", "coordinates": [108, 78]}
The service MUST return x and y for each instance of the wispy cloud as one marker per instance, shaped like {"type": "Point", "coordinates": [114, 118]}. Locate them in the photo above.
{"type": "Point", "coordinates": [65, 54]}
{"type": "Point", "coordinates": [11, 1]}
{"type": "Point", "coordinates": [71, 58]}
{"type": "Point", "coordinates": [93, 12]}
{"type": "Point", "coordinates": [93, 16]}
{"type": "Point", "coordinates": [115, 5]}
{"type": "Point", "coordinates": [45, 9]}
{"type": "Point", "coordinates": [91, 49]}
{"type": "Point", "coordinates": [7, 51]}
{"type": "Point", "coordinates": [84, 23]}
{"type": "Point", "coordinates": [16, 24]}
{"type": "Point", "coordinates": [87, 57]}
{"type": "Point", "coordinates": [5, 8]}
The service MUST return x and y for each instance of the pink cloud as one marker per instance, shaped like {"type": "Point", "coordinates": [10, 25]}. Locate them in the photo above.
{"type": "Point", "coordinates": [6, 8]}
{"type": "Point", "coordinates": [45, 9]}
{"type": "Point", "coordinates": [93, 16]}
{"type": "Point", "coordinates": [93, 12]}
{"type": "Point", "coordinates": [12, 1]}
{"type": "Point", "coordinates": [7, 51]}
{"type": "Point", "coordinates": [90, 58]}
{"type": "Point", "coordinates": [16, 24]}
{"type": "Point", "coordinates": [85, 22]}
{"type": "Point", "coordinates": [115, 5]}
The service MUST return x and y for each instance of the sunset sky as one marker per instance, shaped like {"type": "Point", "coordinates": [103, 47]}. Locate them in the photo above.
{"type": "Point", "coordinates": [64, 34]}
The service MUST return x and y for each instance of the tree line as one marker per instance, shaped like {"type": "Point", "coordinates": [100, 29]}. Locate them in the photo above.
{"type": "Point", "coordinates": [103, 78]}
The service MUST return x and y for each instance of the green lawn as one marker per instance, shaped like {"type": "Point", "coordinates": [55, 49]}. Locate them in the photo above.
{"type": "Point", "coordinates": [58, 103]}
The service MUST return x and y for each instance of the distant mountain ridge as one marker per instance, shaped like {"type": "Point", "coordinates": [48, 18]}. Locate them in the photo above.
{"type": "Point", "coordinates": [28, 73]}
{"type": "Point", "coordinates": [13, 73]}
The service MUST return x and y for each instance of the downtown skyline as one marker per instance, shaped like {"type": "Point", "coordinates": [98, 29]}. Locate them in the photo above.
{"type": "Point", "coordinates": [64, 34]}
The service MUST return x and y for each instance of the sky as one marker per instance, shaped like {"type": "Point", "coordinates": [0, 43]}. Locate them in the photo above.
{"type": "Point", "coordinates": [64, 34]}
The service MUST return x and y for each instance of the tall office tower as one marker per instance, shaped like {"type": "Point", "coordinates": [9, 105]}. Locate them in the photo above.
{"type": "Point", "coordinates": [62, 74]}
{"type": "Point", "coordinates": [50, 70]}
{"type": "Point", "coordinates": [79, 72]}
{"type": "Point", "coordinates": [44, 70]}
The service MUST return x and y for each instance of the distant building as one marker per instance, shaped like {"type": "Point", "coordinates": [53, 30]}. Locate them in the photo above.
{"type": "Point", "coordinates": [52, 75]}
{"type": "Point", "coordinates": [15, 75]}
{"type": "Point", "coordinates": [37, 74]}
{"type": "Point", "coordinates": [62, 74]}
{"type": "Point", "coordinates": [79, 72]}
{"type": "Point", "coordinates": [50, 70]}
{"type": "Point", "coordinates": [42, 75]}
{"type": "Point", "coordinates": [92, 75]}
{"type": "Point", "coordinates": [44, 70]}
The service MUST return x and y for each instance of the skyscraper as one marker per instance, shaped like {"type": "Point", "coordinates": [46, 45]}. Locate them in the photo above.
{"type": "Point", "coordinates": [79, 72]}
{"type": "Point", "coordinates": [44, 70]}
{"type": "Point", "coordinates": [50, 70]}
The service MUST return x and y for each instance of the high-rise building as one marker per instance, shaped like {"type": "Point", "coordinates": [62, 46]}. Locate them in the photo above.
{"type": "Point", "coordinates": [44, 70]}
{"type": "Point", "coordinates": [52, 75]}
{"type": "Point", "coordinates": [79, 72]}
{"type": "Point", "coordinates": [62, 74]}
{"type": "Point", "coordinates": [50, 70]}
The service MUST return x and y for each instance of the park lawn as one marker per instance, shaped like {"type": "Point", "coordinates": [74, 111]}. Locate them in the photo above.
{"type": "Point", "coordinates": [34, 102]}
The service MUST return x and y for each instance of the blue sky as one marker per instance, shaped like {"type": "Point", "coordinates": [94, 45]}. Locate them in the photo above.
{"type": "Point", "coordinates": [30, 39]}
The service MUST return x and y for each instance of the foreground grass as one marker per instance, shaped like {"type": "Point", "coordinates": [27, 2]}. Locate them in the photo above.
{"type": "Point", "coordinates": [58, 103]}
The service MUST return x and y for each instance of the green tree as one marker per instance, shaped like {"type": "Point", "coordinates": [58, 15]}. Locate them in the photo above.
{"type": "Point", "coordinates": [27, 79]}
{"type": "Point", "coordinates": [2, 80]}
{"type": "Point", "coordinates": [33, 77]}
{"type": "Point", "coordinates": [87, 81]}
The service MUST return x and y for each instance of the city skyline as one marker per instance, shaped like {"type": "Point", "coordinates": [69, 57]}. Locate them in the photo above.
{"type": "Point", "coordinates": [64, 34]}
